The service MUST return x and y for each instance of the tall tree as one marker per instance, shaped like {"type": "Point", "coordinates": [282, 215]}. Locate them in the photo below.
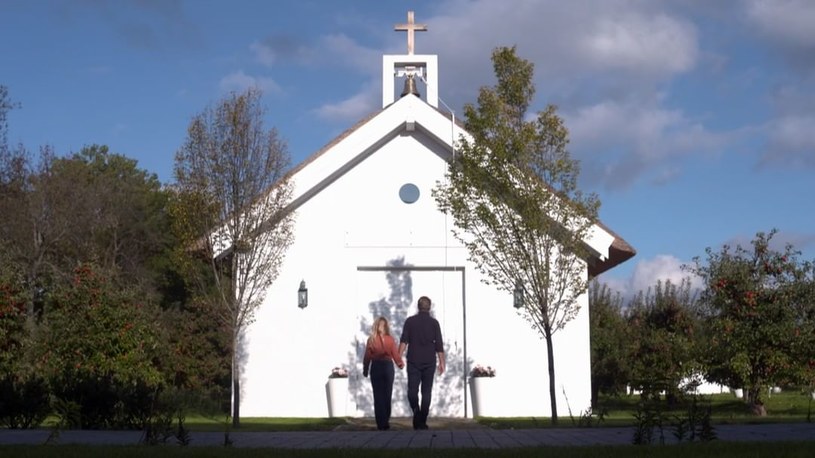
{"type": "Point", "coordinates": [92, 206]}
{"type": "Point", "coordinates": [756, 304]}
{"type": "Point", "coordinates": [231, 207]}
{"type": "Point", "coordinates": [512, 191]}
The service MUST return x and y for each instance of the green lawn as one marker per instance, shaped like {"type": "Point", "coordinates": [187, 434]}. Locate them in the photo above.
{"type": "Point", "coordinates": [619, 411]}
{"type": "Point", "coordinates": [785, 407]}
{"type": "Point", "coordinates": [202, 423]}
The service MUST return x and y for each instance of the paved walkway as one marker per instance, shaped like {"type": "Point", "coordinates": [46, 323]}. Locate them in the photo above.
{"type": "Point", "coordinates": [450, 438]}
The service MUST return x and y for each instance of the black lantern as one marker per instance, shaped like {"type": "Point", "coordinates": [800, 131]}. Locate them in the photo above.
{"type": "Point", "coordinates": [518, 295]}
{"type": "Point", "coordinates": [302, 295]}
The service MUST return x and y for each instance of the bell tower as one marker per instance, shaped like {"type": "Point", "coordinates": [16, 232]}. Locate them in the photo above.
{"type": "Point", "coordinates": [410, 67]}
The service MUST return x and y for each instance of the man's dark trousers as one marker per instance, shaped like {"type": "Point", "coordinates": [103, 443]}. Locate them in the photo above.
{"type": "Point", "coordinates": [420, 373]}
{"type": "Point", "coordinates": [382, 383]}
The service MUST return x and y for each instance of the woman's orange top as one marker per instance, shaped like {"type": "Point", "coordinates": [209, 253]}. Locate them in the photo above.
{"type": "Point", "coordinates": [381, 347]}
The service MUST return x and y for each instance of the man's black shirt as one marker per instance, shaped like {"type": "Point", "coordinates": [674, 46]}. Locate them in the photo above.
{"type": "Point", "coordinates": [422, 334]}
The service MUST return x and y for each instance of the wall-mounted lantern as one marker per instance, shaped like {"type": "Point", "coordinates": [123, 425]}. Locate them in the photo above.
{"type": "Point", "coordinates": [302, 295]}
{"type": "Point", "coordinates": [518, 294]}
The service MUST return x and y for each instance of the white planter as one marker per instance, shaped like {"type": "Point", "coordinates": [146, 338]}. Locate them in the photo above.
{"type": "Point", "coordinates": [813, 394]}
{"type": "Point", "coordinates": [336, 393]}
{"type": "Point", "coordinates": [484, 396]}
{"type": "Point", "coordinates": [739, 393]}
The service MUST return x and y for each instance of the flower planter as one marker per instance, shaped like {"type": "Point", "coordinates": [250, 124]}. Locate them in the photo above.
{"type": "Point", "coordinates": [484, 396]}
{"type": "Point", "coordinates": [336, 393]}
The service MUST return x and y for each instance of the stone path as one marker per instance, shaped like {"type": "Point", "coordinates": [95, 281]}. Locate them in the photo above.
{"type": "Point", "coordinates": [433, 438]}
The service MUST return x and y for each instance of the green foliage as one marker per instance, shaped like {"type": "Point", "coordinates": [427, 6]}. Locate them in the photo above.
{"type": "Point", "coordinates": [100, 349]}
{"type": "Point", "coordinates": [696, 424]}
{"type": "Point", "coordinates": [92, 206]}
{"type": "Point", "coordinates": [117, 218]}
{"type": "Point", "coordinates": [196, 354]}
{"type": "Point", "coordinates": [95, 208]}
{"type": "Point", "coordinates": [230, 212]}
{"type": "Point", "coordinates": [662, 330]}
{"type": "Point", "coordinates": [512, 192]}
{"type": "Point", "coordinates": [68, 415]}
{"type": "Point", "coordinates": [610, 361]}
{"type": "Point", "coordinates": [758, 310]}
{"type": "Point", "coordinates": [651, 420]}
{"type": "Point", "coordinates": [23, 393]}
{"type": "Point", "coordinates": [12, 321]}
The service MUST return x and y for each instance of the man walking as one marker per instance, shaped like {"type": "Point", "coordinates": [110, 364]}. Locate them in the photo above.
{"type": "Point", "coordinates": [421, 335]}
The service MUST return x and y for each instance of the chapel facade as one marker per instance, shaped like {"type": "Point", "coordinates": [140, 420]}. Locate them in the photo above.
{"type": "Point", "coordinates": [369, 241]}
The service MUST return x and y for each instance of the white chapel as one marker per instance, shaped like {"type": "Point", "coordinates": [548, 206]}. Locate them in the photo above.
{"type": "Point", "coordinates": [369, 241]}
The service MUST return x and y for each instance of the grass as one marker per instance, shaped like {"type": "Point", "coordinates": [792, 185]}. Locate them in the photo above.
{"type": "Point", "coordinates": [786, 407]}
{"type": "Point", "coordinates": [209, 424]}
{"type": "Point", "coordinates": [709, 450]}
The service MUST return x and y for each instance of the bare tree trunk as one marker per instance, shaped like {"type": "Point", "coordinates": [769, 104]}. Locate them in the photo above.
{"type": "Point", "coordinates": [236, 389]}
{"type": "Point", "coordinates": [550, 353]}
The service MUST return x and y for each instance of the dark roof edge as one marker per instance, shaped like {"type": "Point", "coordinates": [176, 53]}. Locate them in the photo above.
{"type": "Point", "coordinates": [619, 252]}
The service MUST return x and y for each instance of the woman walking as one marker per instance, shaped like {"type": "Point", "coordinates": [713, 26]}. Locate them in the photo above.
{"type": "Point", "coordinates": [380, 355]}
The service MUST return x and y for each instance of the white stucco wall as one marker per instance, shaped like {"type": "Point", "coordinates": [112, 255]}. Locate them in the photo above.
{"type": "Point", "coordinates": [359, 220]}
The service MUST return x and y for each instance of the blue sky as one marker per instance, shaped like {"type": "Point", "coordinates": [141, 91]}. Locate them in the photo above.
{"type": "Point", "coordinates": [694, 120]}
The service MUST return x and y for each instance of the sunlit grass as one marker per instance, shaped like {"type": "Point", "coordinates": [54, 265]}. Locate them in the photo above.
{"type": "Point", "coordinates": [204, 423]}
{"type": "Point", "coordinates": [785, 407]}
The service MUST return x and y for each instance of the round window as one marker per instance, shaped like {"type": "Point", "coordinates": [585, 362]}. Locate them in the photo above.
{"type": "Point", "coordinates": [409, 193]}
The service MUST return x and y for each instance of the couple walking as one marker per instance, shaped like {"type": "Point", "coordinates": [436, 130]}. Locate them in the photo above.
{"type": "Point", "coordinates": [421, 336]}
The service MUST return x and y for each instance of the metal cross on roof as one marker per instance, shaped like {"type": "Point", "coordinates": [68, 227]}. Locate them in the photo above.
{"type": "Point", "coordinates": [410, 27]}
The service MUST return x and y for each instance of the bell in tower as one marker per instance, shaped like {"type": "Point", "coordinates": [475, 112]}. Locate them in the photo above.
{"type": "Point", "coordinates": [410, 87]}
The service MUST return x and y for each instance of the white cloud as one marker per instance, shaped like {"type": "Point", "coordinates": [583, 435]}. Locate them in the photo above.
{"type": "Point", "coordinates": [647, 272]}
{"type": "Point", "coordinates": [662, 267]}
{"type": "Point", "coordinates": [628, 139]}
{"type": "Point", "coordinates": [350, 109]}
{"type": "Point", "coordinates": [789, 22]}
{"type": "Point", "coordinates": [263, 53]}
{"type": "Point", "coordinates": [800, 241]}
{"type": "Point", "coordinates": [239, 81]}
{"type": "Point", "coordinates": [279, 48]}
{"type": "Point", "coordinates": [791, 141]}
{"type": "Point", "coordinates": [642, 43]}
{"type": "Point", "coordinates": [634, 44]}
{"type": "Point", "coordinates": [567, 40]}
{"type": "Point", "coordinates": [341, 50]}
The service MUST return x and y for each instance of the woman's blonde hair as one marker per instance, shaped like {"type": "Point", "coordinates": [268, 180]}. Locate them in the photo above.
{"type": "Point", "coordinates": [375, 327]}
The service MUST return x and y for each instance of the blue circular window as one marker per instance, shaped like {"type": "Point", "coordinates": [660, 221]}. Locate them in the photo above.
{"type": "Point", "coordinates": [409, 193]}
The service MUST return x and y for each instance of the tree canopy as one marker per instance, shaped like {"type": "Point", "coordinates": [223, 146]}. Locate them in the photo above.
{"type": "Point", "coordinates": [758, 307]}
{"type": "Point", "coordinates": [230, 208]}
{"type": "Point", "coordinates": [512, 191]}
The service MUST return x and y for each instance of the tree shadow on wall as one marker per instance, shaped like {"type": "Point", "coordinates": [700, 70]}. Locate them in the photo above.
{"type": "Point", "coordinates": [448, 393]}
